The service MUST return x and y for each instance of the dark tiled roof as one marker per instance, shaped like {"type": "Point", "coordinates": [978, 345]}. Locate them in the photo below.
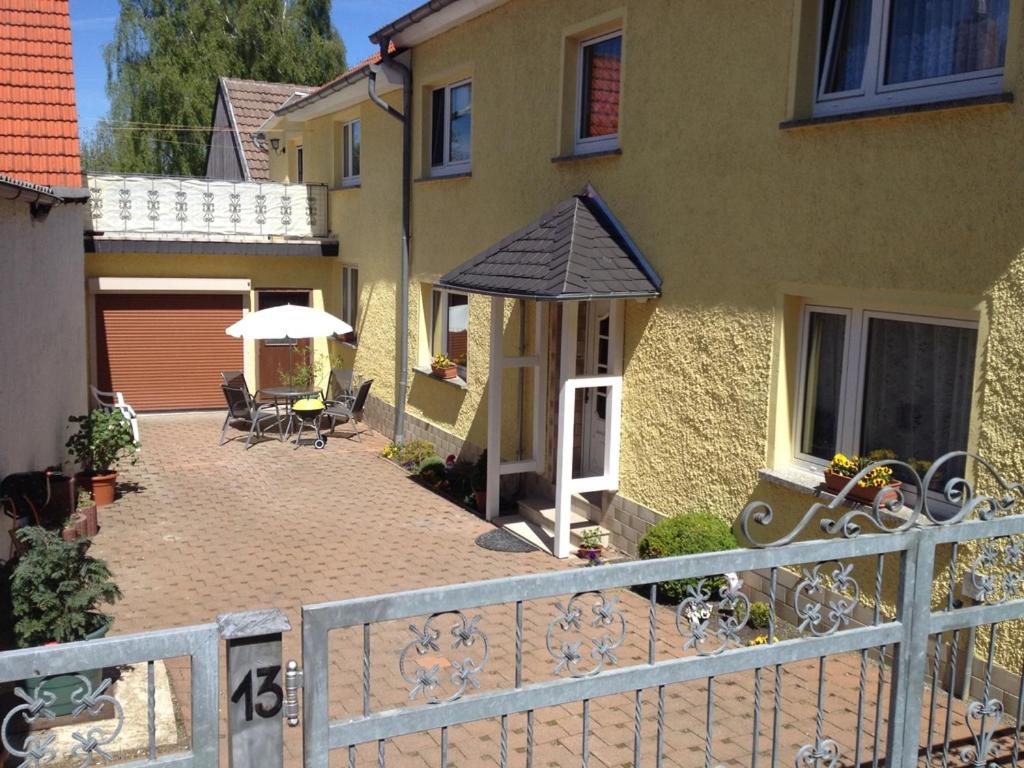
{"type": "Point", "coordinates": [577, 250]}
{"type": "Point", "coordinates": [251, 102]}
{"type": "Point", "coordinates": [38, 119]}
{"type": "Point", "coordinates": [350, 75]}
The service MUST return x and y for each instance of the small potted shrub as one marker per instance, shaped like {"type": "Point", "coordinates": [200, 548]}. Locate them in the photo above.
{"type": "Point", "coordinates": [591, 547]}
{"type": "Point", "coordinates": [442, 367]}
{"type": "Point", "coordinates": [687, 534]}
{"type": "Point", "coordinates": [878, 480]}
{"type": "Point", "coordinates": [57, 589]}
{"type": "Point", "coordinates": [478, 482]}
{"type": "Point", "coordinates": [102, 440]}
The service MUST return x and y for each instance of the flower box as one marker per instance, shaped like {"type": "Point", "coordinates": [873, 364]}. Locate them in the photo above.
{"type": "Point", "coordinates": [835, 483]}
{"type": "Point", "coordinates": [447, 372]}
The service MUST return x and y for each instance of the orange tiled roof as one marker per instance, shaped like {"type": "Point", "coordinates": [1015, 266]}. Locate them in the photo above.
{"type": "Point", "coordinates": [38, 119]}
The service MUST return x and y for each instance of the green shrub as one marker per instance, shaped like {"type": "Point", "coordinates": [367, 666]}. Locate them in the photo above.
{"type": "Point", "coordinates": [57, 588]}
{"type": "Point", "coordinates": [102, 439]}
{"type": "Point", "coordinates": [432, 471]}
{"type": "Point", "coordinates": [413, 453]}
{"type": "Point", "coordinates": [687, 534]}
{"type": "Point", "coordinates": [760, 616]}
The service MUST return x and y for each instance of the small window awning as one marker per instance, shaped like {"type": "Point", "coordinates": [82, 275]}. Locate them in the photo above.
{"type": "Point", "coordinates": [577, 251]}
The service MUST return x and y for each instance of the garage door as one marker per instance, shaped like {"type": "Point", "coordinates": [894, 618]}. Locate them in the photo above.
{"type": "Point", "coordinates": [166, 351]}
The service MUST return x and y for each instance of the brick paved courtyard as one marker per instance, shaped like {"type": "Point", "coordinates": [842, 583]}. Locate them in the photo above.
{"type": "Point", "coordinates": [202, 530]}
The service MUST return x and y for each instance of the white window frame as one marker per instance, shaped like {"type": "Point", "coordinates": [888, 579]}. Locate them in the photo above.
{"type": "Point", "coordinates": [442, 308]}
{"type": "Point", "coordinates": [350, 299]}
{"type": "Point", "coordinates": [447, 167]}
{"type": "Point", "coordinates": [299, 163]}
{"type": "Point", "coordinates": [586, 144]}
{"type": "Point", "coordinates": [851, 398]}
{"type": "Point", "coordinates": [352, 179]}
{"type": "Point", "coordinates": [874, 93]}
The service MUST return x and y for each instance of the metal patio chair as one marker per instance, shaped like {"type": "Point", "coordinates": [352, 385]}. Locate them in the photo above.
{"type": "Point", "coordinates": [348, 410]}
{"type": "Point", "coordinates": [241, 407]}
{"type": "Point", "coordinates": [114, 401]}
{"type": "Point", "coordinates": [339, 385]}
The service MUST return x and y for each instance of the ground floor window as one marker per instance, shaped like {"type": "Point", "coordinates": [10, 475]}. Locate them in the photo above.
{"type": "Point", "coordinates": [449, 327]}
{"type": "Point", "coordinates": [350, 298]}
{"type": "Point", "coordinates": [886, 385]}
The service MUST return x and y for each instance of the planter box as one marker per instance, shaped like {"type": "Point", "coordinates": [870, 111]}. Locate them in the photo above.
{"type": "Point", "coordinates": [835, 483]}
{"type": "Point", "coordinates": [444, 373]}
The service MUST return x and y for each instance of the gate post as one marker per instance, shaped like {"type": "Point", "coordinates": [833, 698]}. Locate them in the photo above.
{"type": "Point", "coordinates": [255, 680]}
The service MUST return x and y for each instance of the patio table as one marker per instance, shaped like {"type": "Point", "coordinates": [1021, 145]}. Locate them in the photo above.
{"type": "Point", "coordinates": [287, 395]}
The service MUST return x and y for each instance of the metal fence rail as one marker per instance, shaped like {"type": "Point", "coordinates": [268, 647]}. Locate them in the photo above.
{"type": "Point", "coordinates": [98, 740]}
{"type": "Point", "coordinates": [454, 638]}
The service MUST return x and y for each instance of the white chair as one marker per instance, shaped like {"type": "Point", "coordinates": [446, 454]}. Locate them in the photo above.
{"type": "Point", "coordinates": [114, 401]}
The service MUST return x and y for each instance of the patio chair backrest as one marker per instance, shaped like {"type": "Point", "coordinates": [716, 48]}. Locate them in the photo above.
{"type": "Point", "coordinates": [364, 391]}
{"type": "Point", "coordinates": [339, 383]}
{"type": "Point", "coordinates": [238, 400]}
{"type": "Point", "coordinates": [234, 379]}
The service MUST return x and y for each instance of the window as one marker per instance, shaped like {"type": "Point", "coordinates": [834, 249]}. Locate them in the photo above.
{"type": "Point", "coordinates": [298, 164]}
{"type": "Point", "coordinates": [350, 146]}
{"type": "Point", "coordinates": [897, 386]}
{"type": "Point", "coordinates": [350, 299]}
{"type": "Point", "coordinates": [451, 128]}
{"type": "Point", "coordinates": [880, 53]}
{"type": "Point", "coordinates": [449, 327]}
{"type": "Point", "coordinates": [600, 68]}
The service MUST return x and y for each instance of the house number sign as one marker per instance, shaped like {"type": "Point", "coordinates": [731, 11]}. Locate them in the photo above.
{"type": "Point", "coordinates": [254, 691]}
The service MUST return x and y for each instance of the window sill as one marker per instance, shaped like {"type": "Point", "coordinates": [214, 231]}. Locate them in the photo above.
{"type": "Point", "coordinates": [809, 483]}
{"type": "Point", "coordinates": [587, 155]}
{"type": "Point", "coordinates": [457, 382]}
{"type": "Point", "coordinates": [909, 109]}
{"type": "Point", "coordinates": [341, 187]}
{"type": "Point", "coordinates": [444, 177]}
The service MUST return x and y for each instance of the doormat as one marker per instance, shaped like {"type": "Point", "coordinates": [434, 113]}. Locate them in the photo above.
{"type": "Point", "coordinates": [500, 540]}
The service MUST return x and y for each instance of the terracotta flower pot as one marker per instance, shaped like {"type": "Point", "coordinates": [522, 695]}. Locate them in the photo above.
{"type": "Point", "coordinates": [835, 483]}
{"type": "Point", "coordinates": [103, 488]}
{"type": "Point", "coordinates": [444, 373]}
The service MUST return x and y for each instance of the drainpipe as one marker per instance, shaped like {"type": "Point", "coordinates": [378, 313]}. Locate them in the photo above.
{"type": "Point", "coordinates": [405, 117]}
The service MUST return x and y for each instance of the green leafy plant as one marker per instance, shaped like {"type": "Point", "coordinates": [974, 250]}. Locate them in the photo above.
{"type": "Point", "coordinates": [441, 361]}
{"type": "Point", "coordinates": [302, 375]}
{"type": "Point", "coordinates": [411, 454]}
{"type": "Point", "coordinates": [760, 616]}
{"type": "Point", "coordinates": [686, 534]}
{"type": "Point", "coordinates": [84, 500]}
{"type": "Point", "coordinates": [103, 438]}
{"type": "Point", "coordinates": [57, 589]}
{"type": "Point", "coordinates": [478, 478]}
{"type": "Point", "coordinates": [391, 451]}
{"type": "Point", "coordinates": [590, 538]}
{"type": "Point", "coordinates": [432, 471]}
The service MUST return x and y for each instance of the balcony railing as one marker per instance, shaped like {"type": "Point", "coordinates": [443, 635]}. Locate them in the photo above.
{"type": "Point", "coordinates": [163, 206]}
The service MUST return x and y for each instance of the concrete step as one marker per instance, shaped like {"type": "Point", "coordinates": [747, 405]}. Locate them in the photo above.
{"type": "Point", "coordinates": [535, 523]}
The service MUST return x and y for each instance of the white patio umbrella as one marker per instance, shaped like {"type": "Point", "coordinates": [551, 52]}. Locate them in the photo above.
{"type": "Point", "coordinates": [288, 322]}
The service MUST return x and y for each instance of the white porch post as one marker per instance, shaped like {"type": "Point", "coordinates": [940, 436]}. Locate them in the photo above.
{"type": "Point", "coordinates": [494, 381]}
{"type": "Point", "coordinates": [540, 383]}
{"type": "Point", "coordinates": [566, 416]}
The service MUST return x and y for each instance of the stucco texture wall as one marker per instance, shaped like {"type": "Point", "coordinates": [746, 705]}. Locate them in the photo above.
{"type": "Point", "coordinates": [43, 340]}
{"type": "Point", "coordinates": [735, 214]}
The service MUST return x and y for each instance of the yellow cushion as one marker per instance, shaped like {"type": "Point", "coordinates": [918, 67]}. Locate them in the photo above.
{"type": "Point", "coordinates": [309, 404]}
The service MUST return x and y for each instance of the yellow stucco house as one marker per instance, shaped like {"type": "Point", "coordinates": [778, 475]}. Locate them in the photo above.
{"type": "Point", "coordinates": [701, 249]}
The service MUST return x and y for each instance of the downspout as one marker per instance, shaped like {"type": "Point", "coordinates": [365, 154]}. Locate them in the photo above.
{"type": "Point", "coordinates": [405, 117]}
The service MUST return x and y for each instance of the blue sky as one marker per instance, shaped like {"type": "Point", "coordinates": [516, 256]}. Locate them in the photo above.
{"type": "Point", "coordinates": [92, 26]}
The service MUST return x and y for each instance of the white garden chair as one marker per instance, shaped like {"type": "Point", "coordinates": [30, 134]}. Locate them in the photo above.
{"type": "Point", "coordinates": [114, 401]}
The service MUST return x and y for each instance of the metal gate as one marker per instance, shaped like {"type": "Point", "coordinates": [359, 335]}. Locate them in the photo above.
{"type": "Point", "coordinates": [896, 645]}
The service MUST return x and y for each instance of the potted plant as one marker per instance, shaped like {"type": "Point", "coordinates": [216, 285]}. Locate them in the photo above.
{"type": "Point", "coordinates": [88, 518]}
{"type": "Point", "coordinates": [442, 367]}
{"type": "Point", "coordinates": [591, 547]}
{"type": "Point", "coordinates": [57, 589]}
{"type": "Point", "coordinates": [876, 481]}
{"type": "Point", "coordinates": [478, 482]}
{"type": "Point", "coordinates": [103, 438]}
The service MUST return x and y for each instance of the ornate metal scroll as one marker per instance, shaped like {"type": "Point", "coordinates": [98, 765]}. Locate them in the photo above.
{"type": "Point", "coordinates": [153, 204]}
{"type": "Point", "coordinates": [958, 494]}
{"type": "Point", "coordinates": [819, 581]}
{"type": "Point", "coordinates": [997, 573]}
{"type": "Point", "coordinates": [124, 204]}
{"type": "Point", "coordinates": [96, 201]}
{"type": "Point", "coordinates": [39, 749]}
{"type": "Point", "coordinates": [823, 753]}
{"type": "Point", "coordinates": [715, 623]}
{"type": "Point", "coordinates": [603, 629]}
{"type": "Point", "coordinates": [180, 206]}
{"type": "Point", "coordinates": [982, 721]}
{"type": "Point", "coordinates": [423, 665]}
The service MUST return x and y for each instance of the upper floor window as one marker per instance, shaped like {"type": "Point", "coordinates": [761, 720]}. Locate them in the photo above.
{"type": "Point", "coordinates": [451, 127]}
{"type": "Point", "coordinates": [298, 164]}
{"type": "Point", "coordinates": [883, 385]}
{"type": "Point", "coordinates": [600, 70]}
{"type": "Point", "coordinates": [879, 53]}
{"type": "Point", "coordinates": [350, 145]}
{"type": "Point", "coordinates": [449, 327]}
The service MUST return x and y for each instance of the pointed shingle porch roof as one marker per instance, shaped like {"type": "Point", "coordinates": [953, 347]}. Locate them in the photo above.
{"type": "Point", "coordinates": [575, 251]}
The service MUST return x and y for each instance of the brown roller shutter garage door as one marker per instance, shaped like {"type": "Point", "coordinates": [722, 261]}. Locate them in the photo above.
{"type": "Point", "coordinates": [166, 351]}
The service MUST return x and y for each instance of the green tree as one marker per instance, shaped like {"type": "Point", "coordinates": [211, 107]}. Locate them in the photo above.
{"type": "Point", "coordinates": [163, 65]}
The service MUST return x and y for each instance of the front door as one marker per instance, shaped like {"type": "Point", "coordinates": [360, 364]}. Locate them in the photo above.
{"type": "Point", "coordinates": [595, 401]}
{"type": "Point", "coordinates": [274, 356]}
